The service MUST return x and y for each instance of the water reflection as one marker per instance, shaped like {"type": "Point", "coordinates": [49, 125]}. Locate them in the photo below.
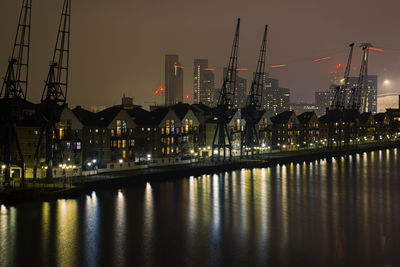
{"type": "Point", "coordinates": [342, 211]}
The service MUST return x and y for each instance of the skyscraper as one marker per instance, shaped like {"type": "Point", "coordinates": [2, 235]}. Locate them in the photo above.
{"type": "Point", "coordinates": [203, 82]}
{"type": "Point", "coordinates": [322, 101]}
{"type": "Point", "coordinates": [240, 90]}
{"type": "Point", "coordinates": [276, 99]}
{"type": "Point", "coordinates": [370, 95]}
{"type": "Point", "coordinates": [173, 80]}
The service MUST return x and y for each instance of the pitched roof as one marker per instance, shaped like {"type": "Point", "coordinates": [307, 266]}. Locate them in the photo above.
{"type": "Point", "coordinates": [351, 115]}
{"type": "Point", "coordinates": [380, 117]}
{"type": "Point", "coordinates": [181, 109]}
{"type": "Point", "coordinates": [140, 115]}
{"type": "Point", "coordinates": [331, 116]}
{"type": "Point", "coordinates": [364, 117]}
{"type": "Point", "coordinates": [282, 117]}
{"type": "Point", "coordinates": [86, 117]}
{"type": "Point", "coordinates": [305, 117]}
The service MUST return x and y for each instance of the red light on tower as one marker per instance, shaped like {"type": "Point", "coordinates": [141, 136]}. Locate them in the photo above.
{"type": "Point", "coordinates": [158, 90]}
{"type": "Point", "coordinates": [188, 97]}
{"type": "Point", "coordinates": [338, 66]}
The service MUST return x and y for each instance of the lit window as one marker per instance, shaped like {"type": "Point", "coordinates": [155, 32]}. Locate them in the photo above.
{"type": "Point", "coordinates": [97, 130]}
{"type": "Point", "coordinates": [119, 127]}
{"type": "Point", "coordinates": [123, 143]}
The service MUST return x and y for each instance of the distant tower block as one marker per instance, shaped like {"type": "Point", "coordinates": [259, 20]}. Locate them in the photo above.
{"type": "Point", "coordinates": [173, 80]}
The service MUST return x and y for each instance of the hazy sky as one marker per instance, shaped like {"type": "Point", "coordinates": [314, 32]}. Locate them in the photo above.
{"type": "Point", "coordinates": [118, 46]}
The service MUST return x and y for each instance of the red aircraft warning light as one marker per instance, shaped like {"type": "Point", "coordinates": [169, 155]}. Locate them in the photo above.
{"type": "Point", "coordinates": [158, 90]}
{"type": "Point", "coordinates": [188, 97]}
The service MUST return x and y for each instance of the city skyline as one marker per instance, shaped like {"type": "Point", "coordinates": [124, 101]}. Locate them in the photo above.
{"type": "Point", "coordinates": [105, 71]}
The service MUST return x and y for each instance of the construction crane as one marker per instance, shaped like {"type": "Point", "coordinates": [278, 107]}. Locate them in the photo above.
{"type": "Point", "coordinates": [250, 138]}
{"type": "Point", "coordinates": [358, 99]}
{"type": "Point", "coordinates": [13, 94]}
{"type": "Point", "coordinates": [222, 139]}
{"type": "Point", "coordinates": [339, 99]}
{"type": "Point", "coordinates": [54, 95]}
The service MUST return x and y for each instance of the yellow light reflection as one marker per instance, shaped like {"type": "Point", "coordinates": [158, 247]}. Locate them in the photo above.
{"type": "Point", "coordinates": [66, 232]}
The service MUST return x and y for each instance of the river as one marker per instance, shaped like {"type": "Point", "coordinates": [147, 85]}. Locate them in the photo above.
{"type": "Point", "coordinates": [343, 211]}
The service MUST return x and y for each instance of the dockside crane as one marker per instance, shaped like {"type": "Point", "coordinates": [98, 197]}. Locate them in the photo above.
{"type": "Point", "coordinates": [339, 98]}
{"type": "Point", "coordinates": [222, 139]}
{"type": "Point", "coordinates": [13, 94]}
{"type": "Point", "coordinates": [54, 95]}
{"type": "Point", "coordinates": [358, 99]}
{"type": "Point", "coordinates": [250, 138]}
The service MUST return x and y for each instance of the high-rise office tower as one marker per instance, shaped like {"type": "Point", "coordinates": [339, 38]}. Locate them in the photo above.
{"type": "Point", "coordinates": [173, 80]}
{"type": "Point", "coordinates": [276, 99]}
{"type": "Point", "coordinates": [203, 83]}
{"type": "Point", "coordinates": [370, 95]}
{"type": "Point", "coordinates": [240, 90]}
{"type": "Point", "coordinates": [322, 101]}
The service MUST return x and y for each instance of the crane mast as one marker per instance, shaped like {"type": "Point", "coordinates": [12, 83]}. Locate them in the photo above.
{"type": "Point", "coordinates": [13, 94]}
{"type": "Point", "coordinates": [250, 138]}
{"type": "Point", "coordinates": [222, 139]}
{"type": "Point", "coordinates": [358, 98]}
{"type": "Point", "coordinates": [54, 95]}
{"type": "Point", "coordinates": [339, 99]}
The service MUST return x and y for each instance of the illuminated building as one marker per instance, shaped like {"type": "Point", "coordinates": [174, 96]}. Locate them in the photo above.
{"type": "Point", "coordinates": [371, 94]}
{"type": "Point", "coordinates": [173, 80]}
{"type": "Point", "coordinates": [322, 101]}
{"type": "Point", "coordinates": [240, 90]}
{"type": "Point", "coordinates": [284, 130]}
{"type": "Point", "coordinates": [203, 83]}
{"type": "Point", "coordinates": [276, 99]}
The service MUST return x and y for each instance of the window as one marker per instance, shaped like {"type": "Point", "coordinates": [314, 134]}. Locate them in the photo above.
{"type": "Point", "coordinates": [78, 146]}
{"type": "Point", "coordinates": [36, 132]}
{"type": "Point", "coordinates": [124, 127]}
{"type": "Point", "coordinates": [167, 129]}
{"type": "Point", "coordinates": [68, 146]}
{"type": "Point", "coordinates": [172, 126]}
{"type": "Point", "coordinates": [124, 153]}
{"type": "Point", "coordinates": [112, 132]}
{"type": "Point", "coordinates": [123, 143]}
{"type": "Point", "coordinates": [96, 131]}
{"type": "Point", "coordinates": [132, 142]}
{"type": "Point", "coordinates": [119, 143]}
{"type": "Point", "coordinates": [119, 127]}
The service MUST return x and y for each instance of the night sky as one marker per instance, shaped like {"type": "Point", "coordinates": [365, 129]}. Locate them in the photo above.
{"type": "Point", "coordinates": [118, 46]}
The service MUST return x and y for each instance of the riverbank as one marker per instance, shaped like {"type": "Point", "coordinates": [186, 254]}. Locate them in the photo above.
{"type": "Point", "coordinates": [82, 185]}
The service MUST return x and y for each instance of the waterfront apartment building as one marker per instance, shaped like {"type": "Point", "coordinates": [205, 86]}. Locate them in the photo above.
{"type": "Point", "coordinates": [173, 80]}
{"type": "Point", "coordinates": [203, 83]}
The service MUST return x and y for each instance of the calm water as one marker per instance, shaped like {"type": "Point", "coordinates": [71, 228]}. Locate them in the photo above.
{"type": "Point", "coordinates": [325, 213]}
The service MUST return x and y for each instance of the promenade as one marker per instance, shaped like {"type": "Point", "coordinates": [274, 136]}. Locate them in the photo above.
{"type": "Point", "coordinates": [74, 187]}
